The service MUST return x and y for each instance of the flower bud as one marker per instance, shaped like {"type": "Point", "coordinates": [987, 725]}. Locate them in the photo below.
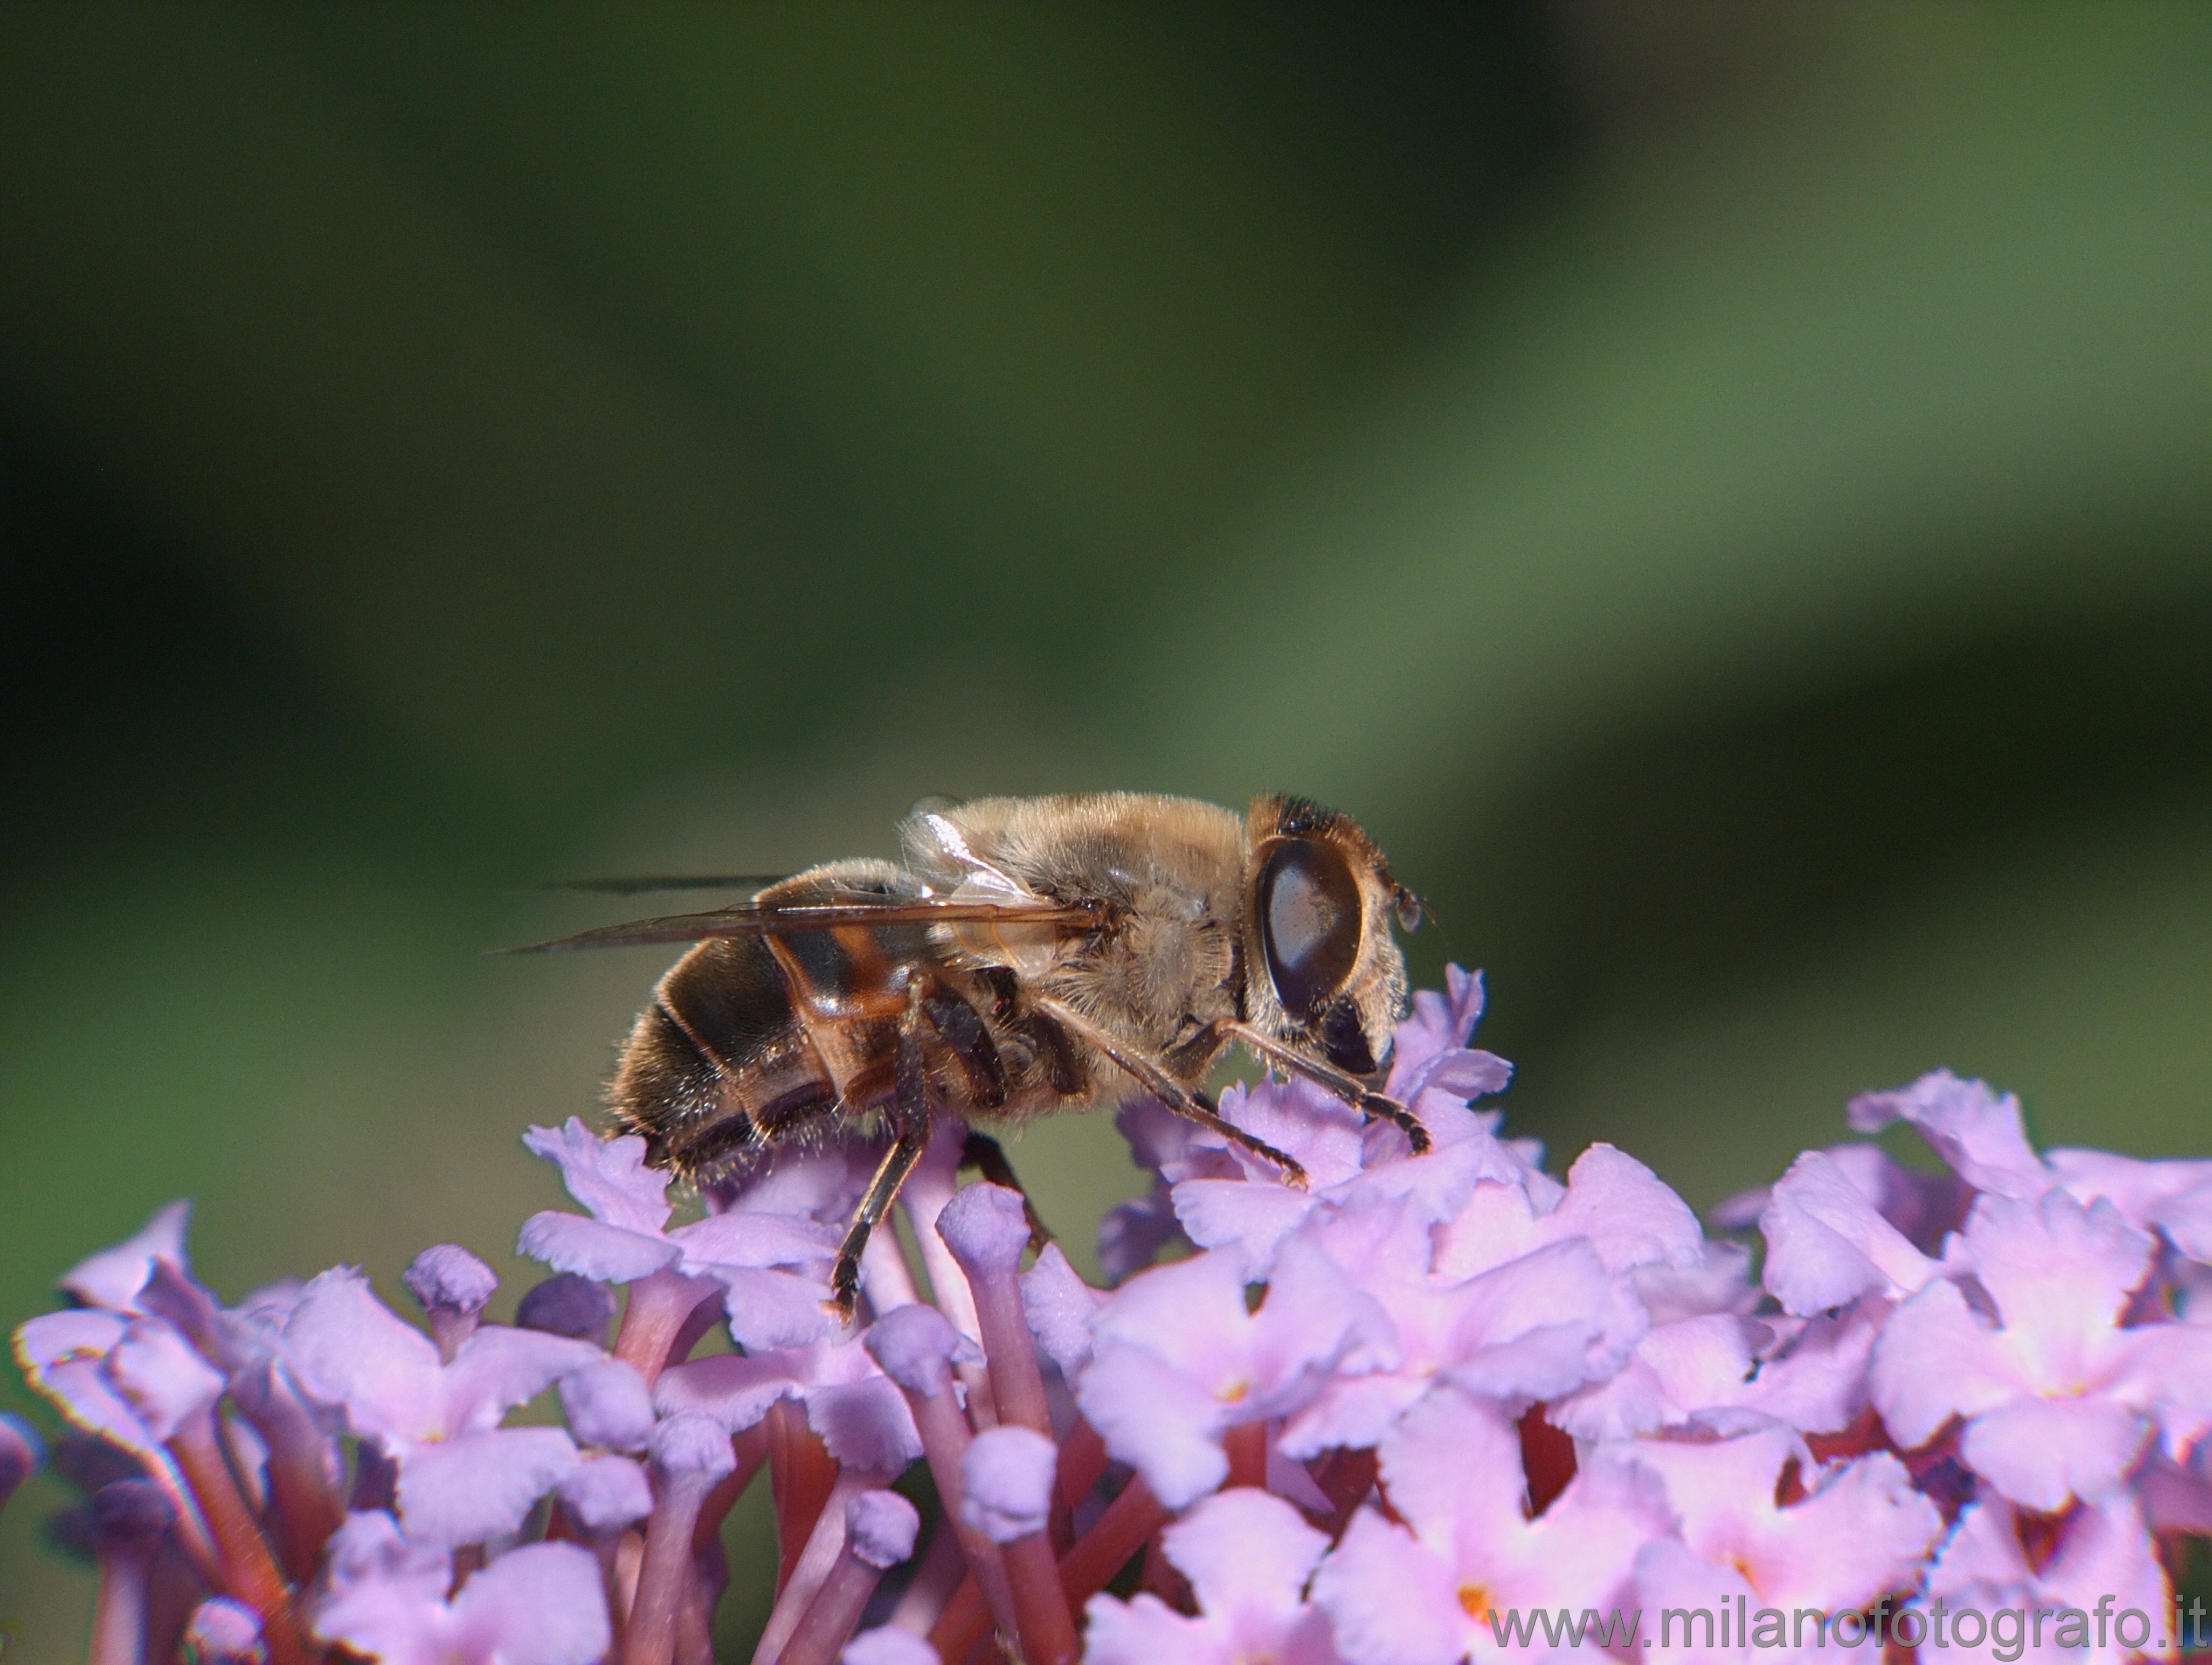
{"type": "Point", "coordinates": [880, 1529]}
{"type": "Point", "coordinates": [1007, 1476]}
{"type": "Point", "coordinates": [224, 1633]}
{"type": "Point", "coordinates": [608, 1404]}
{"type": "Point", "coordinates": [986, 1229]}
{"type": "Point", "coordinates": [568, 1303]}
{"type": "Point", "coordinates": [605, 1494]}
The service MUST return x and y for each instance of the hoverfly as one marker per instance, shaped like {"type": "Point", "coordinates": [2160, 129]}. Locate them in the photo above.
{"type": "Point", "coordinates": [1030, 955]}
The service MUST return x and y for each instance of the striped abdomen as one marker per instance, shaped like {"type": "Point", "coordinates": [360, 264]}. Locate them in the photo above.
{"type": "Point", "coordinates": [752, 1041]}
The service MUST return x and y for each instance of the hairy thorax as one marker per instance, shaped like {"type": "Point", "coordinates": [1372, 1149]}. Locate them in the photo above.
{"type": "Point", "coordinates": [1169, 867]}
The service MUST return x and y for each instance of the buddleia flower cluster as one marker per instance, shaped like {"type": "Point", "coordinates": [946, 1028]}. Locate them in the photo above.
{"type": "Point", "coordinates": [1426, 1409]}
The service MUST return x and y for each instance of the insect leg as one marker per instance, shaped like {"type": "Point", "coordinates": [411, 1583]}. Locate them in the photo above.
{"type": "Point", "coordinates": [981, 1152]}
{"type": "Point", "coordinates": [909, 1117]}
{"type": "Point", "coordinates": [1348, 1087]}
{"type": "Point", "coordinates": [1190, 1105]}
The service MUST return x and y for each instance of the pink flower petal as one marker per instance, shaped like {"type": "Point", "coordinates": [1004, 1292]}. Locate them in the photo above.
{"type": "Point", "coordinates": [2061, 1274]}
{"type": "Point", "coordinates": [1390, 1599]}
{"type": "Point", "coordinates": [345, 1348]}
{"type": "Point", "coordinates": [1976, 1132]}
{"type": "Point", "coordinates": [735, 1390]}
{"type": "Point", "coordinates": [2043, 1453]}
{"type": "Point", "coordinates": [112, 1278]}
{"type": "Point", "coordinates": [163, 1377]}
{"type": "Point", "coordinates": [1826, 1244]}
{"type": "Point", "coordinates": [607, 1176]}
{"type": "Point", "coordinates": [478, 1485]}
{"type": "Point", "coordinates": [592, 1249]}
{"type": "Point", "coordinates": [499, 1367]}
{"type": "Point", "coordinates": [542, 1604]}
{"type": "Point", "coordinates": [1935, 1358]}
{"type": "Point", "coordinates": [1245, 1549]}
{"type": "Point", "coordinates": [1161, 1420]}
{"type": "Point", "coordinates": [2172, 1197]}
{"type": "Point", "coordinates": [1627, 1214]}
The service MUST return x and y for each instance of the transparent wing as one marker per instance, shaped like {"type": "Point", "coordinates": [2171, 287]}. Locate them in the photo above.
{"type": "Point", "coordinates": [685, 881]}
{"type": "Point", "coordinates": [787, 918]}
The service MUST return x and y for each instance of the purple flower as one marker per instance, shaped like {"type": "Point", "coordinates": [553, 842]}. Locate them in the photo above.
{"type": "Point", "coordinates": [748, 1251]}
{"type": "Point", "coordinates": [1005, 1478]}
{"type": "Point", "coordinates": [1717, 1369]}
{"type": "Point", "coordinates": [21, 1452]}
{"type": "Point", "coordinates": [604, 1494]}
{"type": "Point", "coordinates": [1859, 1529]}
{"type": "Point", "coordinates": [2058, 1399]}
{"type": "Point", "coordinates": [64, 1356]}
{"type": "Point", "coordinates": [1511, 1296]}
{"type": "Point", "coordinates": [1224, 1197]}
{"type": "Point", "coordinates": [462, 1477]}
{"type": "Point", "coordinates": [1060, 1307]}
{"type": "Point", "coordinates": [1827, 1243]}
{"type": "Point", "coordinates": [1611, 1201]}
{"type": "Point", "coordinates": [1178, 1360]}
{"type": "Point", "coordinates": [2101, 1566]}
{"type": "Point", "coordinates": [1428, 1049]}
{"type": "Point", "coordinates": [1921, 1206]}
{"type": "Point", "coordinates": [1677, 1371]}
{"type": "Point", "coordinates": [861, 1416]}
{"type": "Point", "coordinates": [2174, 1198]}
{"type": "Point", "coordinates": [112, 1278]}
{"type": "Point", "coordinates": [567, 1304]}
{"type": "Point", "coordinates": [1375, 1356]}
{"type": "Point", "coordinates": [452, 1286]}
{"type": "Point", "coordinates": [221, 1632]}
{"type": "Point", "coordinates": [159, 1375]}
{"type": "Point", "coordinates": [1422, 1593]}
{"type": "Point", "coordinates": [608, 1404]}
{"type": "Point", "coordinates": [1248, 1556]}
{"type": "Point", "coordinates": [542, 1604]}
{"type": "Point", "coordinates": [1978, 1134]}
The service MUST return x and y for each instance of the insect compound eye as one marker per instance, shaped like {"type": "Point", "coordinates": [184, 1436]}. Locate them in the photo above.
{"type": "Point", "coordinates": [1310, 924]}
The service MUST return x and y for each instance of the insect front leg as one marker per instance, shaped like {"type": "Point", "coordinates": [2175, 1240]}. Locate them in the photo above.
{"type": "Point", "coordinates": [909, 1118]}
{"type": "Point", "coordinates": [1373, 1105]}
{"type": "Point", "coordinates": [1191, 1104]}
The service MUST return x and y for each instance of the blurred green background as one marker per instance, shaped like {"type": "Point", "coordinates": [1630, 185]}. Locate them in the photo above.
{"type": "Point", "coordinates": [1723, 493]}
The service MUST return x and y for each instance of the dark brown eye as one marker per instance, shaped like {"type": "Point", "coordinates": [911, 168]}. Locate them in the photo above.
{"type": "Point", "coordinates": [1310, 924]}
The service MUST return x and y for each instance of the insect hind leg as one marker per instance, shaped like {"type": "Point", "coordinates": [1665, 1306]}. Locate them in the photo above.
{"type": "Point", "coordinates": [909, 1120]}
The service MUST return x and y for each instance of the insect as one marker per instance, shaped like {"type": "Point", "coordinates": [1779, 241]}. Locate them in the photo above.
{"type": "Point", "coordinates": [1030, 955]}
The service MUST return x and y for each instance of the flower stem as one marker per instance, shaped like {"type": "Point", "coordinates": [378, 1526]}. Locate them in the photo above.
{"type": "Point", "coordinates": [660, 1304]}
{"type": "Point", "coordinates": [1246, 1447]}
{"type": "Point", "coordinates": [942, 1566]}
{"type": "Point", "coordinates": [1042, 1618]}
{"type": "Point", "coordinates": [1118, 1534]}
{"type": "Point", "coordinates": [830, 1616]}
{"type": "Point", "coordinates": [801, 1474]}
{"type": "Point", "coordinates": [1082, 1461]}
{"type": "Point", "coordinates": [249, 1573]}
{"type": "Point", "coordinates": [750, 1447]}
{"type": "Point", "coordinates": [1133, 1515]}
{"type": "Point", "coordinates": [822, 1546]}
{"type": "Point", "coordinates": [662, 1580]}
{"type": "Point", "coordinates": [944, 1441]}
{"type": "Point", "coordinates": [303, 1476]}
